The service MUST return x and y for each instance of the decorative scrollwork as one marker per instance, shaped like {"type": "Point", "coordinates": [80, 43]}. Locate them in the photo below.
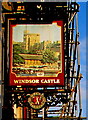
{"type": "Point", "coordinates": [7, 5]}
{"type": "Point", "coordinates": [53, 100]}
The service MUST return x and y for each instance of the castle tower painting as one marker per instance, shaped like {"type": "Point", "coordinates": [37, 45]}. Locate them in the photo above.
{"type": "Point", "coordinates": [30, 39]}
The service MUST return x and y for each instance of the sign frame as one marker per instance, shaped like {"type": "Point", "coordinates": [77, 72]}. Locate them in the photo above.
{"type": "Point", "coordinates": [36, 81]}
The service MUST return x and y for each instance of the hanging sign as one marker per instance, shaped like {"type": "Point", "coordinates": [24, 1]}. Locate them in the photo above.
{"type": "Point", "coordinates": [37, 54]}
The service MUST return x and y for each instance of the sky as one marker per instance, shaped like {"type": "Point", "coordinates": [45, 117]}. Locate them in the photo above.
{"type": "Point", "coordinates": [82, 40]}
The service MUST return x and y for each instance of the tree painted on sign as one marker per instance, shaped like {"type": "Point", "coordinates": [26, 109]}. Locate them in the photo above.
{"type": "Point", "coordinates": [17, 59]}
{"type": "Point", "coordinates": [49, 57]}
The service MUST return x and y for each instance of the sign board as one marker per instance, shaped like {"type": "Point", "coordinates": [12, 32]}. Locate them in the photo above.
{"type": "Point", "coordinates": [37, 54]}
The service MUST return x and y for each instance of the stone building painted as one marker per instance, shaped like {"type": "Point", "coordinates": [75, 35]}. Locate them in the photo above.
{"type": "Point", "coordinates": [30, 39]}
{"type": "Point", "coordinates": [31, 59]}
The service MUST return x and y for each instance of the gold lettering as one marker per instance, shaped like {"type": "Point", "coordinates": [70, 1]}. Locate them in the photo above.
{"type": "Point", "coordinates": [15, 81]}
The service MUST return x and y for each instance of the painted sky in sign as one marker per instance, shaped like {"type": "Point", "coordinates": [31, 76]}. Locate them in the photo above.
{"type": "Point", "coordinates": [47, 32]}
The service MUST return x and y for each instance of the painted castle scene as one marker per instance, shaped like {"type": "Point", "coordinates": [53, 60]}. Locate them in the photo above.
{"type": "Point", "coordinates": [37, 50]}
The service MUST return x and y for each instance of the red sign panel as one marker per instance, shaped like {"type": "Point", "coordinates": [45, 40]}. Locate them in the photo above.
{"type": "Point", "coordinates": [37, 54]}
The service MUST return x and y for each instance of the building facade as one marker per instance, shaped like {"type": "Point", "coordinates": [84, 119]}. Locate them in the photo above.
{"type": "Point", "coordinates": [31, 60]}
